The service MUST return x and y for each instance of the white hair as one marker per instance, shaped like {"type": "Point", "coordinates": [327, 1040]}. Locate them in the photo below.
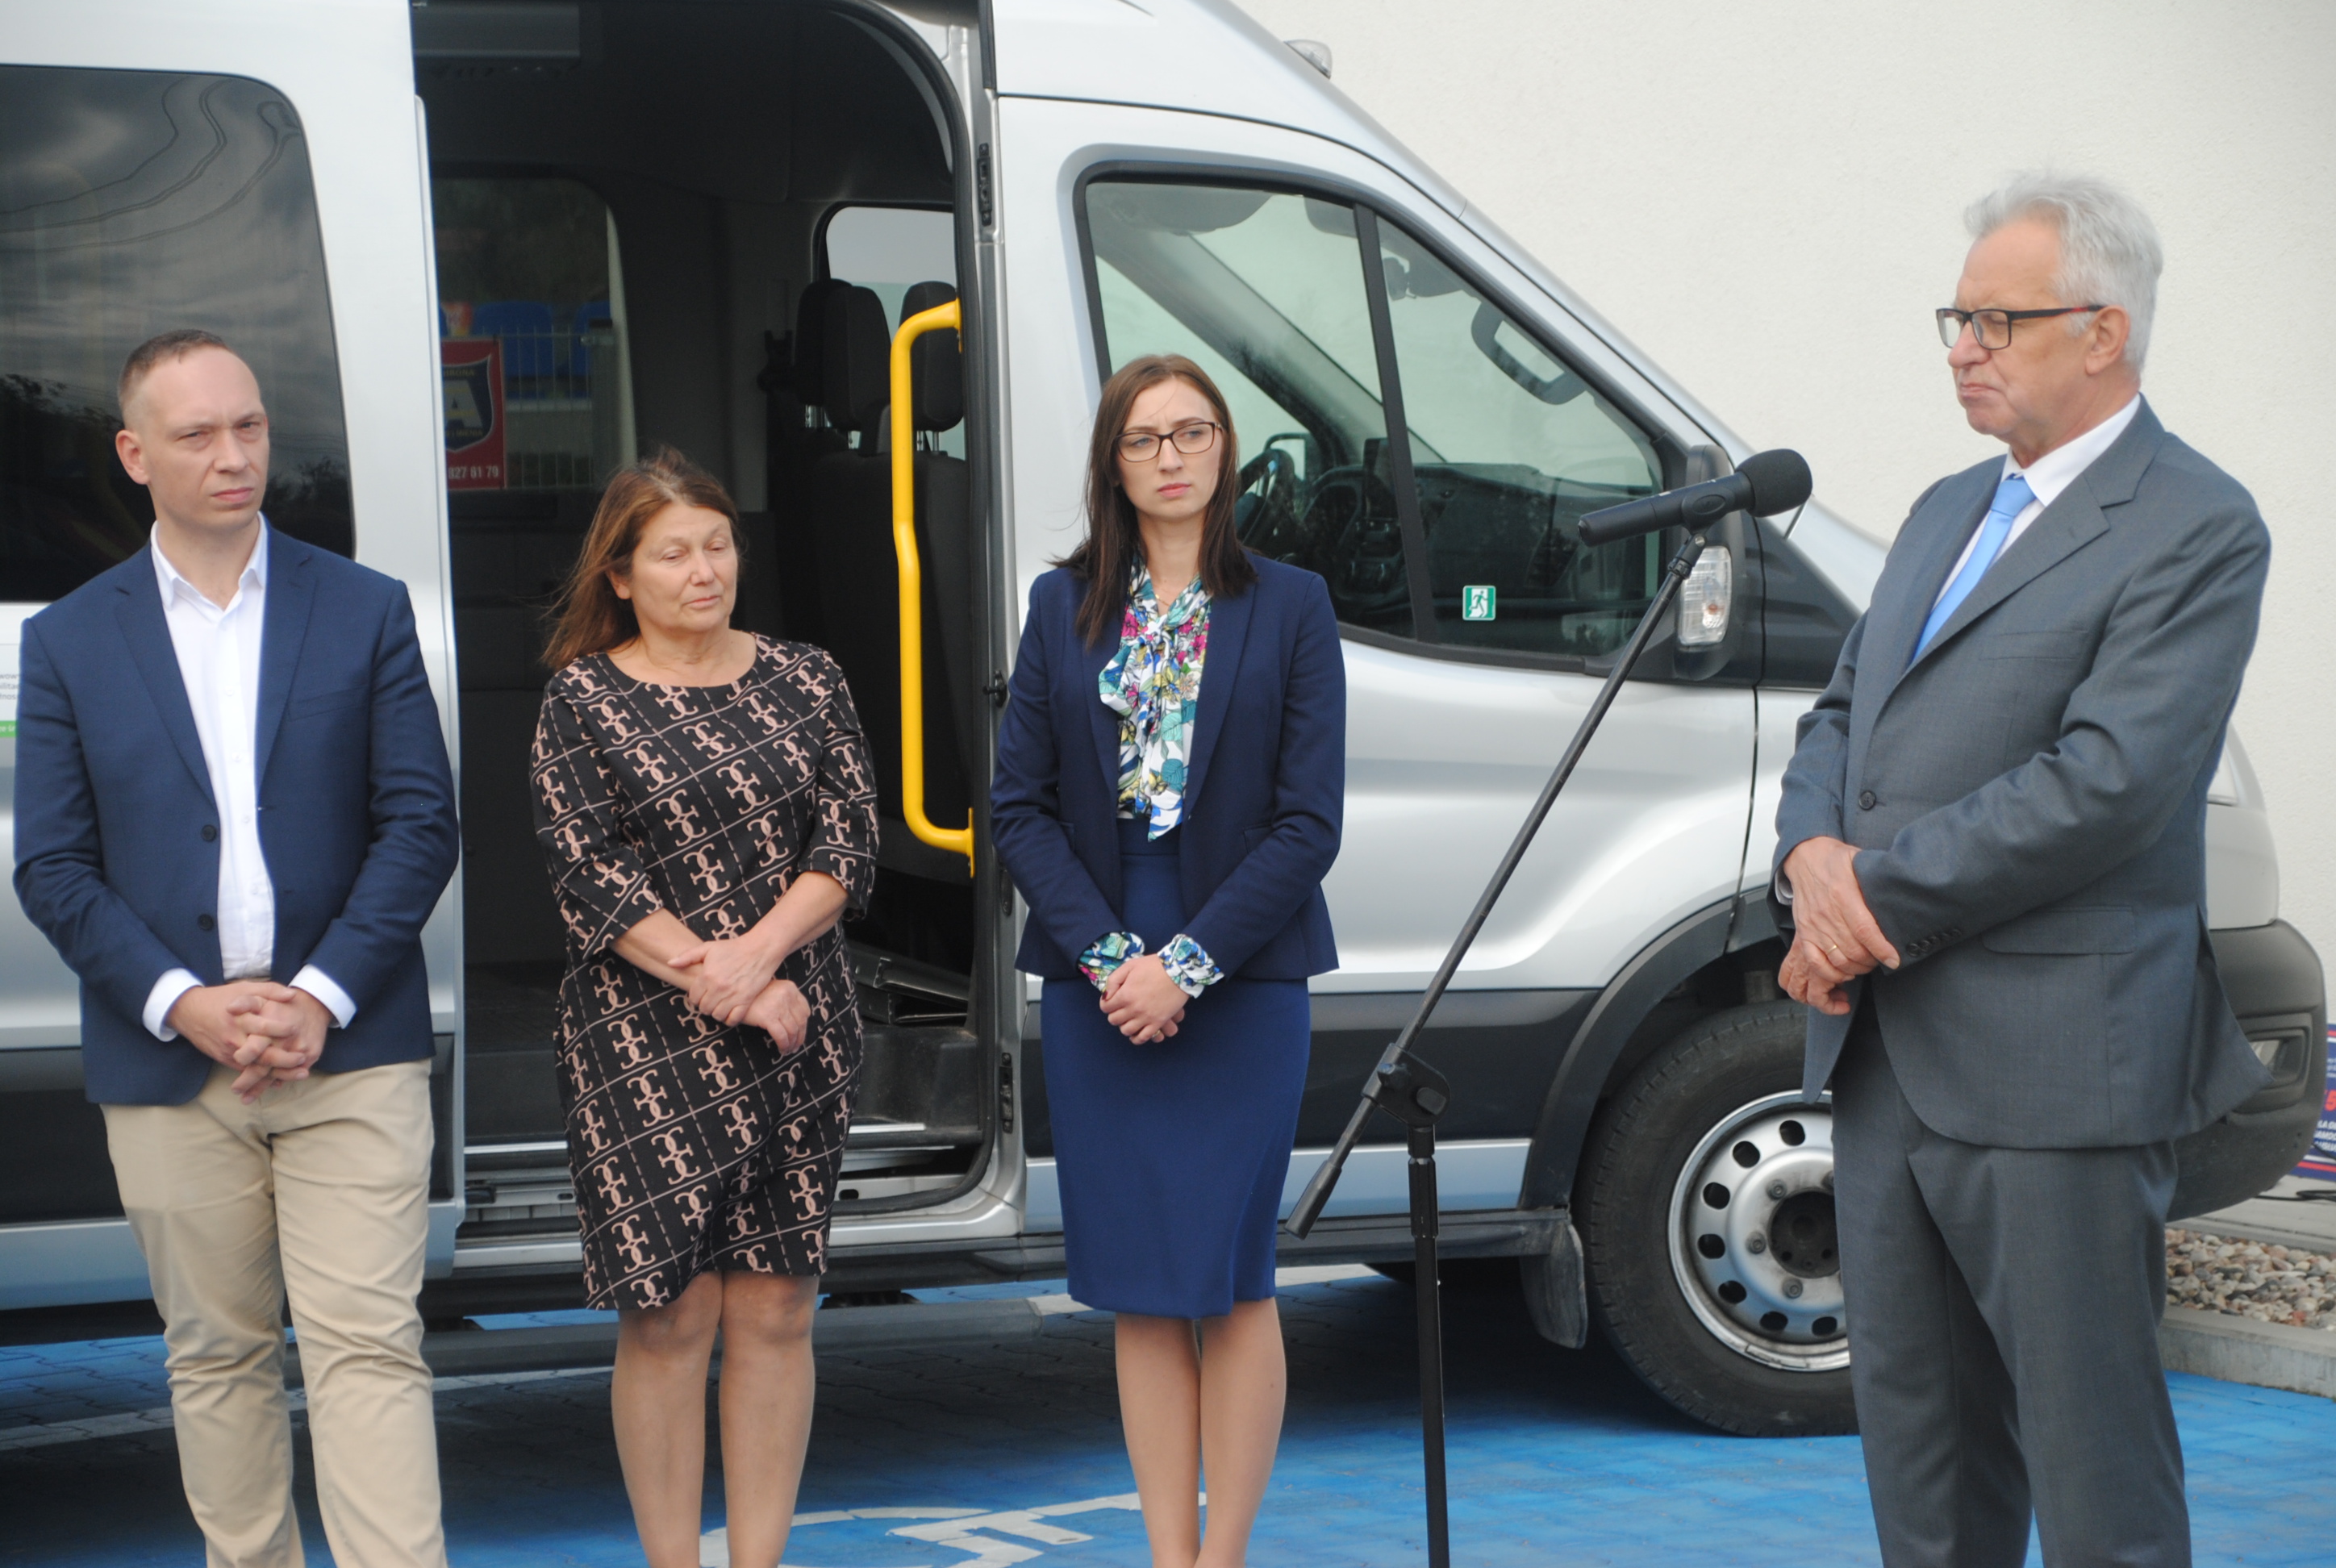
{"type": "Point", "coordinates": [2109, 252]}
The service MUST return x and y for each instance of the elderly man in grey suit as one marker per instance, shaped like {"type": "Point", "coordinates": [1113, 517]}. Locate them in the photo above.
{"type": "Point", "coordinates": [1992, 848]}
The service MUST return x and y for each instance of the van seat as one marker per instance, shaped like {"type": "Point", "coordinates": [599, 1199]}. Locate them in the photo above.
{"type": "Point", "coordinates": [855, 362]}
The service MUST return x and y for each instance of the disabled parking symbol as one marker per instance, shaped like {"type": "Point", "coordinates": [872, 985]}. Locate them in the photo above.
{"type": "Point", "coordinates": [988, 1540]}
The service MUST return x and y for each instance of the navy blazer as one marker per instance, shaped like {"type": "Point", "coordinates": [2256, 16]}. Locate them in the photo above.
{"type": "Point", "coordinates": [1265, 784]}
{"type": "Point", "coordinates": [117, 848]}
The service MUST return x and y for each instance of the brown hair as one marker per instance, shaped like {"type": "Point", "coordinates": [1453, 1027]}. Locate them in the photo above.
{"type": "Point", "coordinates": [176, 344]}
{"type": "Point", "coordinates": [587, 616]}
{"type": "Point", "coordinates": [1110, 551]}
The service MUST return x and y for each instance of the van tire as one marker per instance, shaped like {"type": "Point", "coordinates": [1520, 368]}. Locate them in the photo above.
{"type": "Point", "coordinates": [1642, 1139]}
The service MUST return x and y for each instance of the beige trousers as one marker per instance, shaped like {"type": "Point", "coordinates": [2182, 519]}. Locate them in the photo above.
{"type": "Point", "coordinates": [318, 1194]}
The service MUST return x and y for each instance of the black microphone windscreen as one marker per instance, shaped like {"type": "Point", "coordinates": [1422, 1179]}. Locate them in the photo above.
{"type": "Point", "coordinates": [1780, 480]}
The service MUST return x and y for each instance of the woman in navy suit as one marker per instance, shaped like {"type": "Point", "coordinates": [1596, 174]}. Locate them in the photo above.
{"type": "Point", "coordinates": [1170, 777]}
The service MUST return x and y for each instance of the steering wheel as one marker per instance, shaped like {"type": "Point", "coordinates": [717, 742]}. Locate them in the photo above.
{"type": "Point", "coordinates": [1267, 520]}
{"type": "Point", "coordinates": [1349, 536]}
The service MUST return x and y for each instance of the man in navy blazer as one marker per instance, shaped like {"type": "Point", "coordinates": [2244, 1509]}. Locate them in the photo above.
{"type": "Point", "coordinates": [234, 812]}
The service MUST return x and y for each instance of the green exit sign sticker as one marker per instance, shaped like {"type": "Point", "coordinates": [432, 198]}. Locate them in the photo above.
{"type": "Point", "coordinates": [1479, 601]}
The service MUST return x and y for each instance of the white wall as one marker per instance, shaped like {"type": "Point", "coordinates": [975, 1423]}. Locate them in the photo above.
{"type": "Point", "coordinates": [1768, 200]}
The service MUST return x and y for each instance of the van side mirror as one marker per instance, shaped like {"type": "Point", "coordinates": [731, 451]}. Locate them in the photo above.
{"type": "Point", "coordinates": [1714, 632]}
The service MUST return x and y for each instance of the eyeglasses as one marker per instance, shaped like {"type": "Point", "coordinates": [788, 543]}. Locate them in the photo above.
{"type": "Point", "coordinates": [1192, 440]}
{"type": "Point", "coordinates": [1993, 327]}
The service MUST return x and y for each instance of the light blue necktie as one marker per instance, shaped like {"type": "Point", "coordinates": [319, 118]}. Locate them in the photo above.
{"type": "Point", "coordinates": [2012, 499]}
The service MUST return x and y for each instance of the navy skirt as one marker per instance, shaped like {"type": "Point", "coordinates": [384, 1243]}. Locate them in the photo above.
{"type": "Point", "coordinates": [1171, 1156]}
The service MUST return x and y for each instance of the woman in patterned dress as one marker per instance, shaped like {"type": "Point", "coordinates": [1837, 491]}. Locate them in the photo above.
{"type": "Point", "coordinates": [1170, 778]}
{"type": "Point", "coordinates": [706, 802]}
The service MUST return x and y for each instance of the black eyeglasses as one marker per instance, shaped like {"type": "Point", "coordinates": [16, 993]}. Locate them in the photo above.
{"type": "Point", "coordinates": [1993, 327]}
{"type": "Point", "coordinates": [1192, 440]}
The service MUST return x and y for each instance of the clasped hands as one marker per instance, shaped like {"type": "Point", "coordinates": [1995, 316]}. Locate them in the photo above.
{"type": "Point", "coordinates": [1142, 1002]}
{"type": "Point", "coordinates": [270, 1033]}
{"type": "Point", "coordinates": [1835, 937]}
{"type": "Point", "coordinates": [732, 980]}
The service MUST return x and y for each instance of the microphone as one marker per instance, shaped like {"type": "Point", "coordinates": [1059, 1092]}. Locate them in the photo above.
{"type": "Point", "coordinates": [1768, 483]}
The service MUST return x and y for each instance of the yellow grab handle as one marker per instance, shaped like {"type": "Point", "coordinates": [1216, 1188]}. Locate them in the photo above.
{"type": "Point", "coordinates": [912, 592]}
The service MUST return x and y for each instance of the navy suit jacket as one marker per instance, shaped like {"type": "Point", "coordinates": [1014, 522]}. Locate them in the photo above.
{"type": "Point", "coordinates": [117, 842]}
{"type": "Point", "coordinates": [1265, 784]}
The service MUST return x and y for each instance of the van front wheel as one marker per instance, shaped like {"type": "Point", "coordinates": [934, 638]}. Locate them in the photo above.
{"type": "Point", "coordinates": [1709, 1230]}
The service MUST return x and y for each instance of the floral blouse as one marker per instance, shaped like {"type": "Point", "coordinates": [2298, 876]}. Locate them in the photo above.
{"type": "Point", "coordinates": [1153, 683]}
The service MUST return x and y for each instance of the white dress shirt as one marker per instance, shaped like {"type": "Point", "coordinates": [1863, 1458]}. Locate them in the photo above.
{"type": "Point", "coordinates": [2047, 476]}
{"type": "Point", "coordinates": [218, 662]}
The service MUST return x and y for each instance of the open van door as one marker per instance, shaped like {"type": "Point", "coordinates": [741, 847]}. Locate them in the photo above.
{"type": "Point", "coordinates": [705, 226]}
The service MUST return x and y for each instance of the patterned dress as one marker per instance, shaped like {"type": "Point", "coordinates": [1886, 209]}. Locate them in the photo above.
{"type": "Point", "coordinates": [694, 1146]}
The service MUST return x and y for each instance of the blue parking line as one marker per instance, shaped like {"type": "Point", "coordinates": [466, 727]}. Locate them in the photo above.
{"type": "Point", "coordinates": [992, 1454]}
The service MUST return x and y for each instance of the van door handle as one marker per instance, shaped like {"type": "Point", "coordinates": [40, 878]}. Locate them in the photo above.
{"type": "Point", "coordinates": [959, 841]}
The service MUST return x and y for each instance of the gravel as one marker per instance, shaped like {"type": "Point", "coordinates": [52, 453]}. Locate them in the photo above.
{"type": "Point", "coordinates": [2245, 1278]}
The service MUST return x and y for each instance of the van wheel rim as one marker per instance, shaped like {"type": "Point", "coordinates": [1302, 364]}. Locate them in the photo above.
{"type": "Point", "coordinates": [1752, 1235]}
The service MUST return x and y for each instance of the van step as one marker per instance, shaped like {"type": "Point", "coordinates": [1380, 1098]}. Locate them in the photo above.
{"type": "Point", "coordinates": [1358, 1239]}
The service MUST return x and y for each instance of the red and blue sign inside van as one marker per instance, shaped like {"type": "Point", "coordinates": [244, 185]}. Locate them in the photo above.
{"type": "Point", "coordinates": [473, 372]}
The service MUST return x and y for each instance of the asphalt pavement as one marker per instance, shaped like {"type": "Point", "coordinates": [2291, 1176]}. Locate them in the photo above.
{"type": "Point", "coordinates": [969, 1451]}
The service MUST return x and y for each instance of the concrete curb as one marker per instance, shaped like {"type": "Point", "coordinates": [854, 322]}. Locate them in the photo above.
{"type": "Point", "coordinates": [2242, 1351]}
{"type": "Point", "coordinates": [2295, 1212]}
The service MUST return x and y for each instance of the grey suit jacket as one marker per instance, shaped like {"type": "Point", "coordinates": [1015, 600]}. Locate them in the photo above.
{"type": "Point", "coordinates": [2029, 798]}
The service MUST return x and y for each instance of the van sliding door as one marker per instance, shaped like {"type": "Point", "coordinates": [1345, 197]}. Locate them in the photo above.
{"type": "Point", "coordinates": [699, 226]}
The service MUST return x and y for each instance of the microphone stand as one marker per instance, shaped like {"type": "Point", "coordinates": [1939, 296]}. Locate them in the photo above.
{"type": "Point", "coordinates": [1415, 1094]}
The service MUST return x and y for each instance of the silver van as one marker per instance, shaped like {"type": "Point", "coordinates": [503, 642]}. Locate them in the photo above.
{"type": "Point", "coordinates": [481, 251]}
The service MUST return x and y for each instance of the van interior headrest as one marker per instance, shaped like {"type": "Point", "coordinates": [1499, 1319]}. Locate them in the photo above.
{"type": "Point", "coordinates": [936, 363]}
{"type": "Point", "coordinates": [855, 355]}
{"type": "Point", "coordinates": [811, 333]}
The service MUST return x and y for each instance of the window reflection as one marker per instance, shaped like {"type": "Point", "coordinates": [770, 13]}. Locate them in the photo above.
{"type": "Point", "coordinates": [532, 336]}
{"type": "Point", "coordinates": [1511, 448]}
{"type": "Point", "coordinates": [133, 202]}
